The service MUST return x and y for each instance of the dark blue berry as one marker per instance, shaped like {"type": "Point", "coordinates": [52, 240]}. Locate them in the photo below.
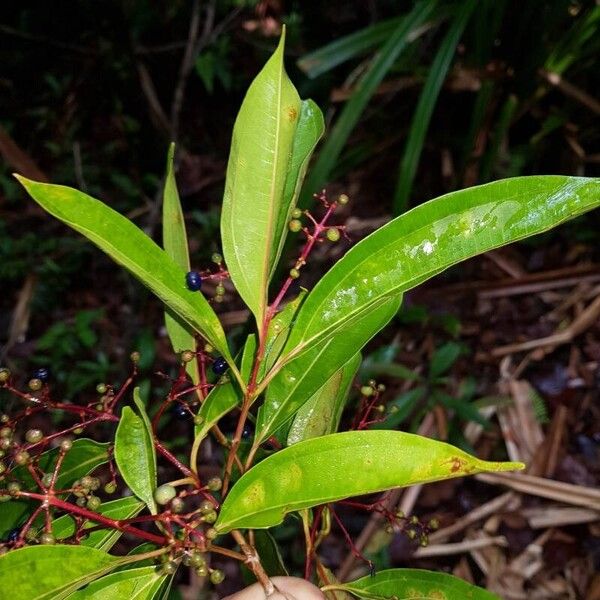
{"type": "Point", "coordinates": [248, 431]}
{"type": "Point", "coordinates": [13, 535]}
{"type": "Point", "coordinates": [193, 280]}
{"type": "Point", "coordinates": [219, 366]}
{"type": "Point", "coordinates": [43, 374]}
{"type": "Point", "coordinates": [179, 411]}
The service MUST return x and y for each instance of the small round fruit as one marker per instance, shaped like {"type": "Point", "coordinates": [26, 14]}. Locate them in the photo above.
{"type": "Point", "coordinates": [198, 420]}
{"type": "Point", "coordinates": [220, 289]}
{"type": "Point", "coordinates": [296, 213]}
{"type": "Point", "coordinates": [13, 535]}
{"type": "Point", "coordinates": [210, 517]}
{"type": "Point", "coordinates": [135, 357]}
{"type": "Point", "coordinates": [197, 560]}
{"type": "Point", "coordinates": [214, 484]}
{"type": "Point", "coordinates": [94, 503]}
{"type": "Point", "coordinates": [295, 225]}
{"type": "Point", "coordinates": [206, 506]}
{"type": "Point", "coordinates": [66, 444]}
{"type": "Point", "coordinates": [187, 356]}
{"type": "Point", "coordinates": [343, 199]}
{"type": "Point", "coordinates": [164, 494]}
{"type": "Point", "coordinates": [217, 576]}
{"type": "Point", "coordinates": [202, 571]}
{"type": "Point", "coordinates": [13, 488]}
{"type": "Point", "coordinates": [333, 235]}
{"type": "Point", "coordinates": [193, 281]}
{"type": "Point", "coordinates": [211, 533]}
{"type": "Point", "coordinates": [47, 539]}
{"type": "Point", "coordinates": [22, 457]}
{"type": "Point", "coordinates": [33, 436]}
{"type": "Point", "coordinates": [4, 375]}
{"type": "Point", "coordinates": [177, 505]}
{"type": "Point", "coordinates": [101, 388]}
{"type": "Point", "coordinates": [216, 258]}
{"type": "Point", "coordinates": [35, 384]}
{"type": "Point", "coordinates": [294, 273]}
{"type": "Point", "coordinates": [43, 374]}
{"type": "Point", "coordinates": [169, 568]}
{"type": "Point", "coordinates": [78, 430]}
{"type": "Point", "coordinates": [6, 432]}
{"type": "Point", "coordinates": [47, 479]}
{"type": "Point", "coordinates": [219, 366]}
{"type": "Point", "coordinates": [366, 390]}
{"type": "Point", "coordinates": [179, 411]}
{"type": "Point", "coordinates": [110, 487]}
{"type": "Point", "coordinates": [2, 467]}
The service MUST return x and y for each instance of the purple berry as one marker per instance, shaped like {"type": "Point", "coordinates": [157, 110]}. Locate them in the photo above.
{"type": "Point", "coordinates": [219, 366]}
{"type": "Point", "coordinates": [43, 374]}
{"type": "Point", "coordinates": [193, 281]}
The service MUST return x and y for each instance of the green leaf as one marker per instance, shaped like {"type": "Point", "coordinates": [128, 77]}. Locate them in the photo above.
{"type": "Point", "coordinates": [298, 380]}
{"type": "Point", "coordinates": [427, 102]}
{"type": "Point", "coordinates": [133, 584]}
{"type": "Point", "coordinates": [224, 397]}
{"type": "Point", "coordinates": [84, 456]}
{"type": "Point", "coordinates": [443, 358]}
{"type": "Point", "coordinates": [308, 133]}
{"type": "Point", "coordinates": [409, 584]}
{"type": "Point", "coordinates": [345, 48]}
{"type": "Point", "coordinates": [366, 87]}
{"type": "Point", "coordinates": [278, 332]}
{"type": "Point", "coordinates": [263, 140]}
{"type": "Point", "coordinates": [129, 246]}
{"type": "Point", "coordinates": [51, 572]}
{"type": "Point", "coordinates": [322, 412]}
{"type": "Point", "coordinates": [134, 452]}
{"type": "Point", "coordinates": [175, 243]}
{"type": "Point", "coordinates": [316, 471]}
{"type": "Point", "coordinates": [270, 556]}
{"type": "Point", "coordinates": [430, 238]}
{"type": "Point", "coordinates": [102, 539]}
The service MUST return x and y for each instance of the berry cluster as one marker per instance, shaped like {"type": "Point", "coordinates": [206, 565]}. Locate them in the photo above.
{"type": "Point", "coordinates": [195, 279]}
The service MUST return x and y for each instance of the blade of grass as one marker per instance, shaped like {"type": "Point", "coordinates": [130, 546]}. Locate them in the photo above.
{"type": "Point", "coordinates": [365, 89]}
{"type": "Point", "coordinates": [427, 102]}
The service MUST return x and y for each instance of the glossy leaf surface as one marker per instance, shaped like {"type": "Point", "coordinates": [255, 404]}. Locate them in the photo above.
{"type": "Point", "coordinates": [175, 243]}
{"type": "Point", "coordinates": [102, 539]}
{"type": "Point", "coordinates": [301, 378]}
{"type": "Point", "coordinates": [129, 246]}
{"type": "Point", "coordinates": [134, 453]}
{"type": "Point", "coordinates": [431, 238]}
{"type": "Point", "coordinates": [405, 584]}
{"type": "Point", "coordinates": [316, 471]}
{"type": "Point", "coordinates": [321, 413]}
{"type": "Point", "coordinates": [261, 146]}
{"type": "Point", "coordinates": [84, 456]}
{"type": "Point", "coordinates": [51, 572]}
{"type": "Point", "coordinates": [133, 584]}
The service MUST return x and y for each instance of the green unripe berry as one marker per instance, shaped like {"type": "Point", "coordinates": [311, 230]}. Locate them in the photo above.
{"type": "Point", "coordinates": [296, 213]}
{"type": "Point", "coordinates": [81, 501]}
{"type": "Point", "coordinates": [47, 539]}
{"type": "Point", "coordinates": [2, 467]}
{"type": "Point", "coordinates": [433, 524]}
{"type": "Point", "coordinates": [31, 535]}
{"type": "Point", "coordinates": [196, 560]}
{"type": "Point", "coordinates": [220, 289]}
{"type": "Point", "coordinates": [164, 494]}
{"type": "Point", "coordinates": [210, 517]}
{"type": "Point", "coordinates": [214, 484]}
{"type": "Point", "coordinates": [208, 349]}
{"type": "Point", "coordinates": [4, 375]}
{"type": "Point", "coordinates": [135, 357]}
{"type": "Point", "coordinates": [400, 514]}
{"type": "Point", "coordinates": [211, 533]}
{"type": "Point", "coordinates": [294, 273]}
{"type": "Point", "coordinates": [47, 479]}
{"type": "Point", "coordinates": [99, 407]}
{"type": "Point", "coordinates": [169, 568]}
{"type": "Point", "coordinates": [198, 420]}
{"type": "Point", "coordinates": [35, 384]}
{"type": "Point", "coordinates": [66, 445]}
{"type": "Point", "coordinates": [87, 482]}
{"type": "Point", "coordinates": [295, 225]}
{"type": "Point", "coordinates": [94, 503]}
{"type": "Point", "coordinates": [424, 541]}
{"type": "Point", "coordinates": [5, 443]}
{"type": "Point", "coordinates": [13, 488]}
{"type": "Point", "coordinates": [411, 534]}
{"type": "Point", "coordinates": [216, 258]}
{"type": "Point", "coordinates": [22, 457]}
{"type": "Point", "coordinates": [4, 498]}
{"type": "Point", "coordinates": [380, 387]}
{"type": "Point", "coordinates": [177, 505]}
{"type": "Point", "coordinates": [33, 436]}
{"type": "Point", "coordinates": [380, 408]}
{"type": "Point", "coordinates": [4, 418]}
{"type": "Point", "coordinates": [187, 356]}
{"type": "Point", "coordinates": [206, 506]}
{"type": "Point", "coordinates": [6, 432]}
{"type": "Point", "coordinates": [78, 430]}
{"type": "Point", "coordinates": [202, 571]}
{"type": "Point", "coordinates": [333, 235]}
{"type": "Point", "coordinates": [101, 388]}
{"type": "Point", "coordinates": [110, 487]}
{"type": "Point", "coordinates": [414, 520]}
{"type": "Point", "coordinates": [217, 576]}
{"type": "Point", "coordinates": [219, 299]}
{"type": "Point", "coordinates": [366, 390]}
{"type": "Point", "coordinates": [343, 199]}
{"type": "Point", "coordinates": [372, 383]}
